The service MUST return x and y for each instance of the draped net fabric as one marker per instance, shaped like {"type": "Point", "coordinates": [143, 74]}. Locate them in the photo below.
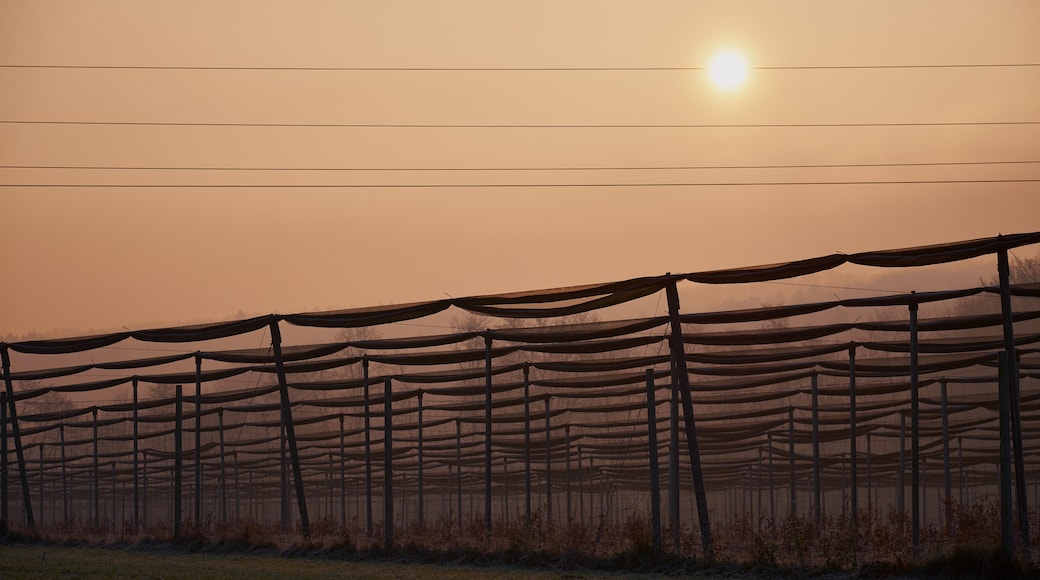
{"type": "Point", "coordinates": [558, 392]}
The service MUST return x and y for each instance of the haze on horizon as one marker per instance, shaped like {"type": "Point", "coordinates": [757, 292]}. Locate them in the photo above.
{"type": "Point", "coordinates": [79, 258]}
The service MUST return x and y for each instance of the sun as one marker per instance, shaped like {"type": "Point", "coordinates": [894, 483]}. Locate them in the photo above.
{"type": "Point", "coordinates": [728, 70]}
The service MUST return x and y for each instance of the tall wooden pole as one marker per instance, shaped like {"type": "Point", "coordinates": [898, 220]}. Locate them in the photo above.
{"type": "Point", "coordinates": [527, 441]}
{"type": "Point", "coordinates": [674, 513]}
{"type": "Point", "coordinates": [368, 447]}
{"type": "Point", "coordinates": [290, 430]}
{"type": "Point", "coordinates": [96, 474]}
{"type": "Point", "coordinates": [178, 457]}
{"type": "Point", "coordinates": [853, 451]}
{"type": "Point", "coordinates": [1004, 273]}
{"type": "Point", "coordinates": [817, 483]}
{"type": "Point", "coordinates": [64, 476]}
{"type": "Point", "coordinates": [655, 473]}
{"type": "Point", "coordinates": [678, 353]}
{"type": "Point", "coordinates": [487, 436]}
{"type": "Point", "coordinates": [915, 433]}
{"type": "Point", "coordinates": [342, 473]}
{"type": "Point", "coordinates": [16, 436]}
{"type": "Point", "coordinates": [422, 488]}
{"type": "Point", "coordinates": [792, 483]}
{"type": "Point", "coordinates": [946, 452]}
{"type": "Point", "coordinates": [388, 466]}
{"type": "Point", "coordinates": [3, 462]}
{"type": "Point", "coordinates": [223, 468]}
{"type": "Point", "coordinates": [458, 465]}
{"type": "Point", "coordinates": [198, 439]}
{"type": "Point", "coordinates": [136, 443]}
{"type": "Point", "coordinates": [548, 462]}
{"type": "Point", "coordinates": [567, 473]}
{"type": "Point", "coordinates": [1006, 516]}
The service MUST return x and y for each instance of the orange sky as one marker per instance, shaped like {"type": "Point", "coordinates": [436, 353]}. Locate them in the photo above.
{"type": "Point", "coordinates": [76, 259]}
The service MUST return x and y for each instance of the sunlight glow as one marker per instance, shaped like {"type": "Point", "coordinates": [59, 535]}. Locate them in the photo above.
{"type": "Point", "coordinates": [728, 70]}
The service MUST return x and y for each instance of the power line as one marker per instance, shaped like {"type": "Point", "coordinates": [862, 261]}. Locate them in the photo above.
{"type": "Point", "coordinates": [504, 185]}
{"type": "Point", "coordinates": [513, 69]}
{"type": "Point", "coordinates": [518, 126]}
{"type": "Point", "coordinates": [530, 168]}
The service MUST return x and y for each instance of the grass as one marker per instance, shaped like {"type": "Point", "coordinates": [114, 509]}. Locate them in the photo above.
{"type": "Point", "coordinates": [37, 561]}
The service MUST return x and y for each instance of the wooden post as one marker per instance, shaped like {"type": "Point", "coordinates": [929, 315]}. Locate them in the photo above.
{"type": "Point", "coordinates": [853, 451]}
{"type": "Point", "coordinates": [238, 504]}
{"type": "Point", "coordinates": [388, 466]}
{"type": "Point", "coordinates": [1006, 538]}
{"type": "Point", "coordinates": [3, 462]}
{"type": "Point", "coordinates": [678, 353]}
{"type": "Point", "coordinates": [901, 474]}
{"type": "Point", "coordinates": [792, 484]}
{"type": "Point", "coordinates": [655, 482]}
{"type": "Point", "coordinates": [283, 484]}
{"type": "Point", "coordinates": [422, 488]}
{"type": "Point", "coordinates": [527, 441]}
{"type": "Point", "coordinates": [548, 462]}
{"type": "Point", "coordinates": [673, 468]}
{"type": "Point", "coordinates": [64, 477]}
{"type": "Point", "coordinates": [946, 453]}
{"type": "Point", "coordinates": [198, 439]}
{"type": "Point", "coordinates": [178, 458]}
{"type": "Point", "coordinates": [487, 435]}
{"type": "Point", "coordinates": [817, 483]}
{"type": "Point", "coordinates": [567, 472]}
{"type": "Point", "coordinates": [223, 468]}
{"type": "Point", "coordinates": [144, 487]}
{"type": "Point", "coordinates": [41, 482]}
{"type": "Point", "coordinates": [290, 430]}
{"type": "Point", "coordinates": [368, 448]}
{"type": "Point", "coordinates": [458, 465]}
{"type": "Point", "coordinates": [16, 436]}
{"type": "Point", "coordinates": [870, 477]}
{"type": "Point", "coordinates": [342, 473]}
{"type": "Point", "coordinates": [915, 433]}
{"type": "Point", "coordinates": [772, 497]}
{"type": "Point", "coordinates": [97, 474]}
{"type": "Point", "coordinates": [1004, 273]}
{"type": "Point", "coordinates": [137, 491]}
{"type": "Point", "coordinates": [758, 517]}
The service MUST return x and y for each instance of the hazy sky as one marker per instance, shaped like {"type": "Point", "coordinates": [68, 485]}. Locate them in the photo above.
{"type": "Point", "coordinates": [77, 258]}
